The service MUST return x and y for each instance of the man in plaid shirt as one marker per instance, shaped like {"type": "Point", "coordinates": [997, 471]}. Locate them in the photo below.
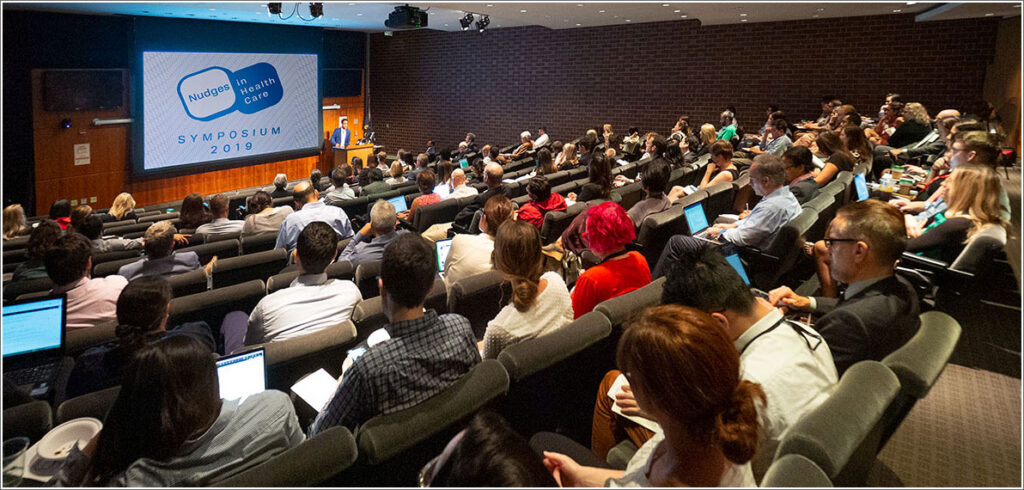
{"type": "Point", "coordinates": [427, 352]}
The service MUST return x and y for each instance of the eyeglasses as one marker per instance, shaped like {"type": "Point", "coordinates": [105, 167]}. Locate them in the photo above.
{"type": "Point", "coordinates": [955, 149]}
{"type": "Point", "coordinates": [830, 241]}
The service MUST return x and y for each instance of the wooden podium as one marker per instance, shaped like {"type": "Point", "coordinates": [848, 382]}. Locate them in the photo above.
{"type": "Point", "coordinates": [344, 155]}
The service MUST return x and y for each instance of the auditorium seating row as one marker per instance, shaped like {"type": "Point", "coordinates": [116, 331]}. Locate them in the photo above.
{"type": "Point", "coordinates": [548, 383]}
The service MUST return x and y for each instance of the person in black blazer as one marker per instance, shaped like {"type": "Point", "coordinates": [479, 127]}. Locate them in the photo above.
{"type": "Point", "coordinates": [878, 312]}
{"type": "Point", "coordinates": [799, 172]}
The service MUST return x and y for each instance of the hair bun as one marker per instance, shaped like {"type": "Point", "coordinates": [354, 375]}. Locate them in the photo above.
{"type": "Point", "coordinates": [736, 428]}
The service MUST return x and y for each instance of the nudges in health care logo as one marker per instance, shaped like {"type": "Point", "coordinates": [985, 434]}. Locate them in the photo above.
{"type": "Point", "coordinates": [214, 92]}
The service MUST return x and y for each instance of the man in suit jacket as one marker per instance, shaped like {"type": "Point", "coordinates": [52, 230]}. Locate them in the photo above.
{"type": "Point", "coordinates": [342, 136]}
{"type": "Point", "coordinates": [799, 173]}
{"type": "Point", "coordinates": [878, 312]}
{"type": "Point", "coordinates": [493, 175]}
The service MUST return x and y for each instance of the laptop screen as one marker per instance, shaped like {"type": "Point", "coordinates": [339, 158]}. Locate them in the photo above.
{"type": "Point", "coordinates": [463, 163]}
{"type": "Point", "coordinates": [734, 261]}
{"type": "Point", "coordinates": [862, 187]}
{"type": "Point", "coordinates": [399, 202]}
{"type": "Point", "coordinates": [242, 375]}
{"type": "Point", "coordinates": [33, 326]}
{"type": "Point", "coordinates": [695, 218]}
{"type": "Point", "coordinates": [443, 246]}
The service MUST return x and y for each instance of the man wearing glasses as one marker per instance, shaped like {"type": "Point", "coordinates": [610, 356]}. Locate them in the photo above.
{"type": "Point", "coordinates": [878, 312]}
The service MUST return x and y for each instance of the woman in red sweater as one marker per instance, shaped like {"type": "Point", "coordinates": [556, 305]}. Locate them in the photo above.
{"type": "Point", "coordinates": [609, 229]}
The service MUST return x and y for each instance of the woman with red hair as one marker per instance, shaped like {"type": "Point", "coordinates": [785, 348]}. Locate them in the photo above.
{"type": "Point", "coordinates": [609, 229]}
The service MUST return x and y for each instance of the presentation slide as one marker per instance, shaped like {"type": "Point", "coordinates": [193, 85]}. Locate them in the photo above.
{"type": "Point", "coordinates": [209, 108]}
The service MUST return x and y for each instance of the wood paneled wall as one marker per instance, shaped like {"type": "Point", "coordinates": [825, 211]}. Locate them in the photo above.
{"type": "Point", "coordinates": [109, 172]}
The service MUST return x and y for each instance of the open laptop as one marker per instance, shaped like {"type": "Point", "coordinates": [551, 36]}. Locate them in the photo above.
{"type": "Point", "coordinates": [736, 263]}
{"type": "Point", "coordinates": [33, 334]}
{"type": "Point", "coordinates": [697, 222]}
{"type": "Point", "coordinates": [463, 163]}
{"type": "Point", "coordinates": [861, 185]}
{"type": "Point", "coordinates": [399, 203]}
{"type": "Point", "coordinates": [242, 375]}
{"type": "Point", "coordinates": [442, 247]}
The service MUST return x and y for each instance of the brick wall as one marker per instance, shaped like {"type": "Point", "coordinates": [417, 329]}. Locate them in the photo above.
{"type": "Point", "coordinates": [439, 85]}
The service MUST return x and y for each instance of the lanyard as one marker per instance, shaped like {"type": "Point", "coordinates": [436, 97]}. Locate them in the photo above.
{"type": "Point", "coordinates": [804, 333]}
{"type": "Point", "coordinates": [616, 254]}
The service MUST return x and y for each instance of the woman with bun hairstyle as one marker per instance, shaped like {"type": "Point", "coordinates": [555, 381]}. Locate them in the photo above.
{"type": "Point", "coordinates": [685, 374]}
{"type": "Point", "coordinates": [142, 311]}
{"type": "Point", "coordinates": [540, 300]}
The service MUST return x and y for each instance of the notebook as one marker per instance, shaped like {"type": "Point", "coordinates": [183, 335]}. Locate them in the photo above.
{"type": "Point", "coordinates": [862, 187]}
{"type": "Point", "coordinates": [33, 336]}
{"type": "Point", "coordinates": [399, 203]}
{"type": "Point", "coordinates": [242, 375]}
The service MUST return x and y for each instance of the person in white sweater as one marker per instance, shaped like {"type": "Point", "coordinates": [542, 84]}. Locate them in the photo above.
{"type": "Point", "coordinates": [540, 301]}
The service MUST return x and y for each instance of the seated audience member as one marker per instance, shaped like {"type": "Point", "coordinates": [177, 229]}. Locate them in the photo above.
{"type": "Point", "coordinates": [193, 212]}
{"type": "Point", "coordinates": [933, 144]}
{"type": "Point", "coordinates": [727, 122]}
{"type": "Point", "coordinates": [280, 185]}
{"type": "Point", "coordinates": [460, 188]}
{"type": "Point", "coordinates": [220, 225]}
{"type": "Point", "coordinates": [443, 176]}
{"type": "Point", "coordinates": [778, 142]}
{"type": "Point", "coordinates": [421, 165]}
{"type": "Point", "coordinates": [827, 107]}
{"type": "Point", "coordinates": [674, 152]}
{"type": "Point", "coordinates": [856, 144]}
{"type": "Point", "coordinates": [681, 129]}
{"type": "Point", "coordinates": [14, 221]}
{"type": "Point", "coordinates": [542, 138]}
{"type": "Point", "coordinates": [90, 301]}
{"type": "Point", "coordinates": [656, 146]}
{"type": "Point", "coordinates": [545, 163]}
{"type": "Point", "coordinates": [470, 254]}
{"type": "Point", "coordinates": [567, 159]}
{"type": "Point", "coordinates": [78, 215]}
{"type": "Point", "coordinates": [840, 161]}
{"type": "Point", "coordinates": [42, 238]}
{"type": "Point", "coordinates": [60, 212]}
{"type": "Point", "coordinates": [382, 162]}
{"type": "Point", "coordinates": [585, 146]}
{"type": "Point", "coordinates": [916, 125]}
{"type": "Point", "coordinates": [486, 152]}
{"type": "Point", "coordinates": [426, 181]}
{"type": "Point", "coordinates": [471, 142]}
{"type": "Point", "coordinates": [609, 229]}
{"type": "Point", "coordinates": [788, 359]}
{"type": "Point", "coordinates": [878, 312]}
{"type": "Point", "coordinates": [487, 453]}
{"type": "Point", "coordinates": [263, 217]}
{"type": "Point", "coordinates": [653, 179]}
{"type": "Point", "coordinates": [396, 175]}
{"type": "Point", "coordinates": [431, 150]}
{"type": "Point", "coordinates": [722, 169]}
{"type": "Point", "coordinates": [314, 178]}
{"type": "Point", "coordinates": [426, 353]}
{"type": "Point", "coordinates": [706, 139]}
{"type": "Point", "coordinates": [312, 302]}
{"type": "Point", "coordinates": [599, 181]}
{"type": "Point", "coordinates": [540, 300]}
{"type": "Point", "coordinates": [542, 201]}
{"type": "Point", "coordinates": [887, 123]}
{"type": "Point", "coordinates": [141, 310]}
{"type": "Point", "coordinates": [755, 228]}
{"type": "Point", "coordinates": [123, 207]}
{"type": "Point", "coordinates": [463, 151]}
{"type": "Point", "coordinates": [341, 192]}
{"type": "Point", "coordinates": [800, 173]}
{"type": "Point", "coordinates": [356, 163]}
{"type": "Point", "coordinates": [158, 243]}
{"type": "Point", "coordinates": [169, 427]}
{"type": "Point", "coordinates": [369, 243]}
{"type": "Point", "coordinates": [608, 136]}
{"type": "Point", "coordinates": [310, 209]}
{"type": "Point", "coordinates": [693, 389]}
{"type": "Point", "coordinates": [972, 200]}
{"type": "Point", "coordinates": [376, 183]}
{"type": "Point", "coordinates": [525, 145]}
{"type": "Point", "coordinates": [493, 175]}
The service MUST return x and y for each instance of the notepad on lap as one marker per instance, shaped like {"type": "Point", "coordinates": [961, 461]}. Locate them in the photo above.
{"type": "Point", "coordinates": [615, 390]}
{"type": "Point", "coordinates": [316, 389]}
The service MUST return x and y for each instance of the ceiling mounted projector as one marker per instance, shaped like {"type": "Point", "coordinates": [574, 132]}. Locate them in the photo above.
{"type": "Point", "coordinates": [406, 17]}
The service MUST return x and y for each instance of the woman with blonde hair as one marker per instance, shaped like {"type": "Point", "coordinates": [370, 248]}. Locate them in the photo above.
{"type": "Point", "coordinates": [14, 221]}
{"type": "Point", "coordinates": [123, 207]}
{"type": "Point", "coordinates": [540, 300]}
{"type": "Point", "coordinates": [396, 173]}
{"type": "Point", "coordinates": [972, 197]}
{"type": "Point", "coordinates": [707, 138]}
{"type": "Point", "coordinates": [568, 158]}
{"type": "Point", "coordinates": [915, 126]}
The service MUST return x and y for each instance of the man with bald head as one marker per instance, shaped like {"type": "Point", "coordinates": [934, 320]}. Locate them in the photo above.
{"type": "Point", "coordinates": [493, 174]}
{"type": "Point", "coordinates": [460, 187]}
{"type": "Point", "coordinates": [309, 208]}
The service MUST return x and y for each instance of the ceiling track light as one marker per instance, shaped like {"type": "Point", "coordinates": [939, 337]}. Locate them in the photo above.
{"type": "Point", "coordinates": [274, 8]}
{"type": "Point", "coordinates": [483, 23]}
{"type": "Point", "coordinates": [466, 21]}
{"type": "Point", "coordinates": [316, 9]}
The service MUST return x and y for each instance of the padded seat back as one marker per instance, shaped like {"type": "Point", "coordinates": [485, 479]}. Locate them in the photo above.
{"type": "Point", "coordinates": [629, 195]}
{"type": "Point", "coordinates": [719, 201]}
{"type": "Point", "coordinates": [657, 228]}
{"type": "Point", "coordinates": [211, 306]}
{"type": "Point", "coordinates": [15, 257]}
{"type": "Point", "coordinates": [78, 340]}
{"type": "Point", "coordinates": [95, 405]}
{"type": "Point", "coordinates": [846, 178]}
{"type": "Point", "coordinates": [555, 222]}
{"type": "Point", "coordinates": [214, 237]}
{"type": "Point", "coordinates": [439, 212]}
{"type": "Point", "coordinates": [222, 249]}
{"type": "Point", "coordinates": [395, 446]}
{"type": "Point", "coordinates": [343, 270]}
{"type": "Point", "coordinates": [100, 258]}
{"type": "Point", "coordinates": [356, 207]}
{"type": "Point", "coordinates": [315, 461]}
{"type": "Point", "coordinates": [290, 359]}
{"type": "Point", "coordinates": [794, 470]}
{"type": "Point", "coordinates": [259, 265]}
{"type": "Point", "coordinates": [842, 434]}
{"type": "Point", "coordinates": [619, 308]}
{"type": "Point", "coordinates": [158, 217]}
{"type": "Point", "coordinates": [366, 278]}
{"type": "Point", "coordinates": [258, 242]}
{"type": "Point", "coordinates": [565, 365]}
{"type": "Point", "coordinates": [784, 250]}
{"type": "Point", "coordinates": [122, 229]}
{"type": "Point", "coordinates": [478, 298]}
{"type": "Point", "coordinates": [32, 420]}
{"type": "Point", "coordinates": [283, 201]}
{"type": "Point", "coordinates": [191, 282]}
{"type": "Point", "coordinates": [981, 250]}
{"type": "Point", "coordinates": [15, 243]}
{"type": "Point", "coordinates": [15, 289]}
{"type": "Point", "coordinates": [558, 178]}
{"type": "Point", "coordinates": [824, 205]}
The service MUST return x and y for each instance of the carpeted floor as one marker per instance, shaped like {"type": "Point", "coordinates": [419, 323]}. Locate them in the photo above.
{"type": "Point", "coordinates": [965, 433]}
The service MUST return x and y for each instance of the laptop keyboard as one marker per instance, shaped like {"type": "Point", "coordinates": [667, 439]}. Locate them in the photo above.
{"type": "Point", "coordinates": [33, 375]}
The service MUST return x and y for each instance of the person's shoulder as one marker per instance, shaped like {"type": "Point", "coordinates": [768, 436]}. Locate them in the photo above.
{"type": "Point", "coordinates": [342, 286]}
{"type": "Point", "coordinates": [263, 406]}
{"type": "Point", "coordinates": [113, 280]}
{"type": "Point", "coordinates": [454, 321]}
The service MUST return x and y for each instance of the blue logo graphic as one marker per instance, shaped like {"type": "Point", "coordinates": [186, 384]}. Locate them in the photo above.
{"type": "Point", "coordinates": [216, 91]}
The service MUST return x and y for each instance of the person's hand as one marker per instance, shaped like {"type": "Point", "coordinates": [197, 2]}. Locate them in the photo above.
{"type": "Point", "coordinates": [754, 149]}
{"type": "Point", "coordinates": [365, 230]}
{"type": "Point", "coordinates": [180, 239]}
{"type": "Point", "coordinates": [912, 207]}
{"type": "Point", "coordinates": [914, 228]}
{"type": "Point", "coordinates": [895, 152]}
{"type": "Point", "coordinates": [564, 469]}
{"type": "Point", "coordinates": [940, 165]}
{"type": "Point", "coordinates": [714, 231]}
{"type": "Point", "coordinates": [914, 169]}
{"type": "Point", "coordinates": [785, 298]}
{"type": "Point", "coordinates": [209, 266]}
{"type": "Point", "coordinates": [572, 196]}
{"type": "Point", "coordinates": [627, 403]}
{"type": "Point", "coordinates": [743, 214]}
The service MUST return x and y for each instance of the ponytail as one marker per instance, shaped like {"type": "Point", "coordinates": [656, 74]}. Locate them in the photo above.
{"type": "Point", "coordinates": [524, 292]}
{"type": "Point", "coordinates": [736, 428]}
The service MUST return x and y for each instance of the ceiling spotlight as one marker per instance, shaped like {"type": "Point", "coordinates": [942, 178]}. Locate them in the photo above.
{"type": "Point", "coordinates": [483, 23]}
{"type": "Point", "coordinates": [466, 21]}
{"type": "Point", "coordinates": [896, 11]}
{"type": "Point", "coordinates": [274, 8]}
{"type": "Point", "coordinates": [316, 9]}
